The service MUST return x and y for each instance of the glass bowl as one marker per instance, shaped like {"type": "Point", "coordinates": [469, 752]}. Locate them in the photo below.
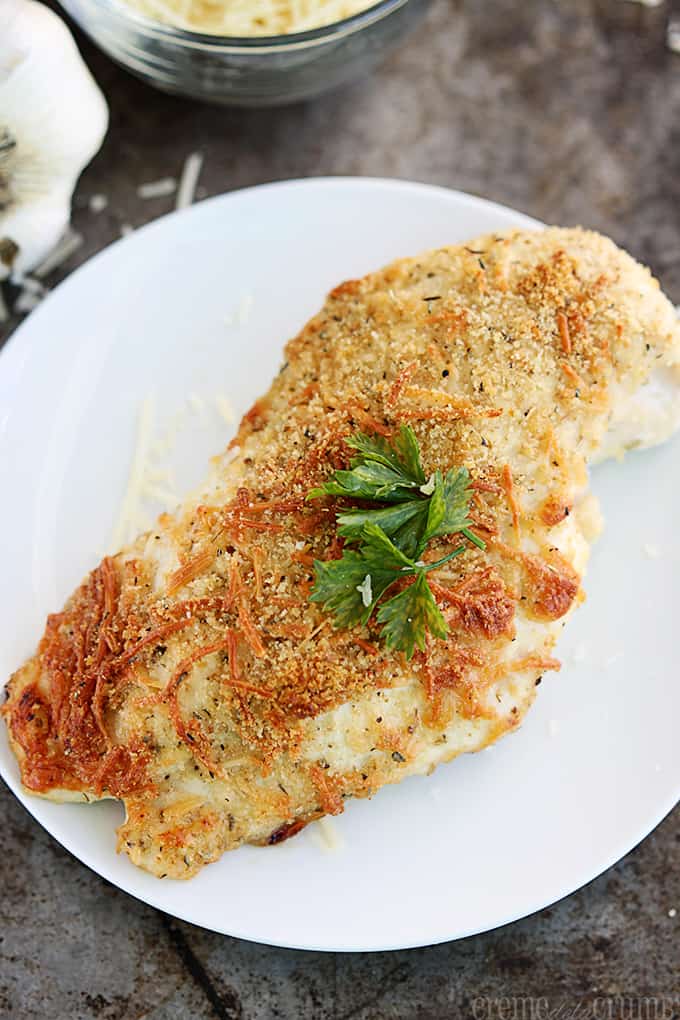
{"type": "Point", "coordinates": [246, 71]}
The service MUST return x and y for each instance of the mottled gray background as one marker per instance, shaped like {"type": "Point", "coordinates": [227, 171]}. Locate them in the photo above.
{"type": "Point", "coordinates": [566, 109]}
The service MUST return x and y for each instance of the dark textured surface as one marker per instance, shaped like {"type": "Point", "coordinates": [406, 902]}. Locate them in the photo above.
{"type": "Point", "coordinates": [568, 110]}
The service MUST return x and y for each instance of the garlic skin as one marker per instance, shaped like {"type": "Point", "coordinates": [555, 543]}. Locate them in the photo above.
{"type": "Point", "coordinates": [53, 119]}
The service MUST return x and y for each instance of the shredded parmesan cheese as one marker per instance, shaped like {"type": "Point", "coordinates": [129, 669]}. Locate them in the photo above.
{"type": "Point", "coordinates": [189, 179]}
{"type": "Point", "coordinates": [131, 501]}
{"type": "Point", "coordinates": [250, 17]}
{"type": "Point", "coordinates": [241, 315]}
{"type": "Point", "coordinates": [196, 403]}
{"type": "Point", "coordinates": [69, 243]}
{"type": "Point", "coordinates": [329, 836]}
{"type": "Point", "coordinates": [245, 309]}
{"type": "Point", "coordinates": [225, 409]}
{"type": "Point", "coordinates": [158, 189]}
{"type": "Point", "coordinates": [97, 203]}
{"type": "Point", "coordinates": [25, 303]}
{"type": "Point", "coordinates": [160, 495]}
{"type": "Point", "coordinates": [32, 286]}
{"type": "Point", "coordinates": [580, 653]}
{"type": "Point", "coordinates": [30, 297]}
{"type": "Point", "coordinates": [150, 480]}
{"type": "Point", "coordinates": [366, 591]}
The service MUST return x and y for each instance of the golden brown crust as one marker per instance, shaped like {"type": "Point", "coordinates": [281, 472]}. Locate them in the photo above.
{"type": "Point", "coordinates": [191, 676]}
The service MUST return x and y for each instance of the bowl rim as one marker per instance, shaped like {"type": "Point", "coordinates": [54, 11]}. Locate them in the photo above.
{"type": "Point", "coordinates": [251, 44]}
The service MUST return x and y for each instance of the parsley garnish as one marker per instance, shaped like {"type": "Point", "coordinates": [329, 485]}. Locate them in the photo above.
{"type": "Point", "coordinates": [385, 543]}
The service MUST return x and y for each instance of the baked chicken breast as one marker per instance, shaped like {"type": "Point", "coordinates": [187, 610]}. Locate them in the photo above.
{"type": "Point", "coordinates": [191, 676]}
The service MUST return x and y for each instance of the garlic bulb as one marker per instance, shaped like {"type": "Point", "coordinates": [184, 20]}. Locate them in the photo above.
{"type": "Point", "coordinates": [53, 119]}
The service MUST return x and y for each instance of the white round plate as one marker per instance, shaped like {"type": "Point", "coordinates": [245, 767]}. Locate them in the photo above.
{"type": "Point", "coordinates": [198, 305]}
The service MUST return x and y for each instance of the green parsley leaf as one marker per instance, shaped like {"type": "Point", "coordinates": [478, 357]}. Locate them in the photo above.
{"type": "Point", "coordinates": [403, 522]}
{"type": "Point", "coordinates": [368, 481]}
{"type": "Point", "coordinates": [381, 472]}
{"type": "Point", "coordinates": [403, 454]}
{"type": "Point", "coordinates": [377, 546]}
{"type": "Point", "coordinates": [341, 585]}
{"type": "Point", "coordinates": [408, 616]}
{"type": "Point", "coordinates": [449, 505]}
{"type": "Point", "coordinates": [386, 543]}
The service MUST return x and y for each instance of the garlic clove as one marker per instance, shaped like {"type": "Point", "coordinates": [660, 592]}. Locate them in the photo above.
{"type": "Point", "coordinates": [53, 119]}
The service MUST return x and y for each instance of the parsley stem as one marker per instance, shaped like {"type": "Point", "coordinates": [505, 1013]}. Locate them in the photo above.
{"type": "Point", "coordinates": [445, 559]}
{"type": "Point", "coordinates": [471, 537]}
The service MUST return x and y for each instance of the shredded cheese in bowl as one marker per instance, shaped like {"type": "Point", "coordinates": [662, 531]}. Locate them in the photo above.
{"type": "Point", "coordinates": [249, 17]}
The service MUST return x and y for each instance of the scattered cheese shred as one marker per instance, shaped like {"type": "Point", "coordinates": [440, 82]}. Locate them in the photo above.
{"type": "Point", "coordinates": [196, 403]}
{"type": "Point", "coordinates": [27, 301]}
{"type": "Point", "coordinates": [580, 653]}
{"type": "Point", "coordinates": [328, 831]}
{"type": "Point", "coordinates": [225, 409]}
{"type": "Point", "coordinates": [68, 244]}
{"type": "Point", "coordinates": [160, 495]}
{"type": "Point", "coordinates": [132, 499]}
{"type": "Point", "coordinates": [245, 309]}
{"type": "Point", "coordinates": [189, 179]}
{"type": "Point", "coordinates": [158, 189]}
{"type": "Point", "coordinates": [148, 480]}
{"type": "Point", "coordinates": [241, 314]}
{"type": "Point", "coordinates": [33, 286]}
{"type": "Point", "coordinates": [97, 203]}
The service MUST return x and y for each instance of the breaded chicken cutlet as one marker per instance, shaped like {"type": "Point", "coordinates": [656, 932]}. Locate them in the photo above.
{"type": "Point", "coordinates": [191, 676]}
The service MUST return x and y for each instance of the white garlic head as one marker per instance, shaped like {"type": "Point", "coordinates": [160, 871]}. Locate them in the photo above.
{"type": "Point", "coordinates": [53, 119]}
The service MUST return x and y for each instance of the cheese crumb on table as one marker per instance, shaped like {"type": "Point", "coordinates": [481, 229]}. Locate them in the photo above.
{"type": "Point", "coordinates": [158, 189]}
{"type": "Point", "coordinates": [67, 245]}
{"type": "Point", "coordinates": [189, 179]}
{"type": "Point", "coordinates": [97, 203]}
